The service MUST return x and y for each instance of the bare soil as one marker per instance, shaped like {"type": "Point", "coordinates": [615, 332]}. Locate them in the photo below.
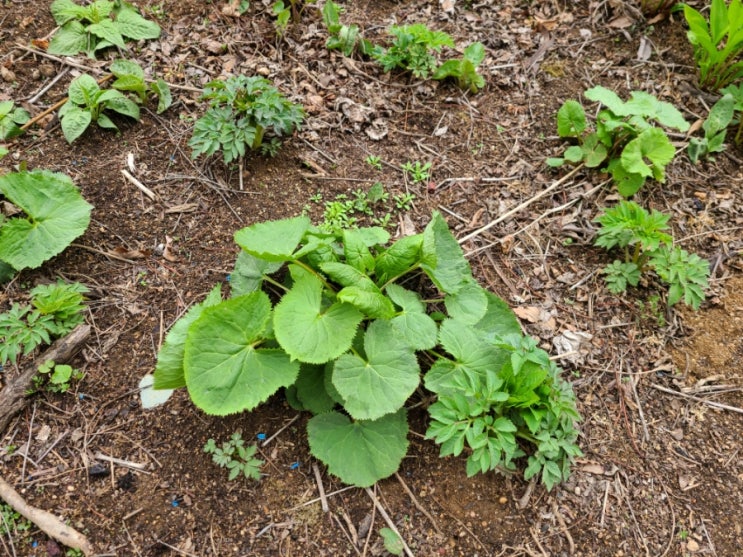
{"type": "Point", "coordinates": [662, 473]}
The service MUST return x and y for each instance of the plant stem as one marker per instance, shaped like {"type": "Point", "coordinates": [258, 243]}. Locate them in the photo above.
{"type": "Point", "coordinates": [318, 275]}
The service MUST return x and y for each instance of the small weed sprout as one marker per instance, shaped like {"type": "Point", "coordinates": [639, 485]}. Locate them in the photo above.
{"type": "Point", "coordinates": [418, 172]}
{"type": "Point", "coordinates": [413, 49]}
{"type": "Point", "coordinates": [236, 457]}
{"type": "Point", "coordinates": [55, 378]}
{"type": "Point", "coordinates": [374, 161]}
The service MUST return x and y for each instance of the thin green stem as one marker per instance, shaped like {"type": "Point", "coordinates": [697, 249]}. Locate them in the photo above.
{"type": "Point", "coordinates": [314, 272]}
{"type": "Point", "coordinates": [275, 283]}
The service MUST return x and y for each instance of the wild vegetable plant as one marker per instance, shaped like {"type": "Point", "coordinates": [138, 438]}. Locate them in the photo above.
{"type": "Point", "coordinates": [625, 139]}
{"type": "Point", "coordinates": [418, 171]}
{"type": "Point", "coordinates": [130, 77]}
{"type": "Point", "coordinates": [54, 311]}
{"type": "Point", "coordinates": [413, 49]}
{"type": "Point", "coordinates": [236, 457]}
{"type": "Point", "coordinates": [464, 69]}
{"type": "Point", "coordinates": [347, 339]}
{"type": "Point", "coordinates": [88, 103]}
{"type": "Point", "coordinates": [642, 238]}
{"type": "Point", "coordinates": [241, 111]}
{"type": "Point", "coordinates": [11, 118]}
{"type": "Point", "coordinates": [717, 43]}
{"type": "Point", "coordinates": [55, 378]}
{"type": "Point", "coordinates": [737, 93]}
{"type": "Point", "coordinates": [345, 38]}
{"type": "Point", "coordinates": [98, 25]}
{"type": "Point", "coordinates": [288, 11]}
{"type": "Point", "coordinates": [55, 211]}
{"type": "Point", "coordinates": [715, 129]}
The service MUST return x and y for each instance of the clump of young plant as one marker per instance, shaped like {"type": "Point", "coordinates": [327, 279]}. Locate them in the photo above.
{"type": "Point", "coordinates": [130, 77]}
{"type": "Point", "coordinates": [98, 25]}
{"type": "Point", "coordinates": [288, 11]}
{"type": "Point", "coordinates": [717, 43]}
{"type": "Point", "coordinates": [346, 341]}
{"type": "Point", "coordinates": [55, 214]}
{"type": "Point", "coordinates": [11, 118]}
{"type": "Point", "coordinates": [715, 129]}
{"type": "Point", "coordinates": [625, 139]}
{"type": "Point", "coordinates": [642, 238]}
{"type": "Point", "coordinates": [236, 457]}
{"type": "Point", "coordinates": [345, 38]}
{"type": "Point", "coordinates": [464, 69]}
{"type": "Point", "coordinates": [55, 378]}
{"type": "Point", "coordinates": [413, 49]}
{"type": "Point", "coordinates": [88, 103]}
{"type": "Point", "coordinates": [736, 91]}
{"type": "Point", "coordinates": [418, 171]}
{"type": "Point", "coordinates": [242, 110]}
{"type": "Point", "coordinates": [54, 311]}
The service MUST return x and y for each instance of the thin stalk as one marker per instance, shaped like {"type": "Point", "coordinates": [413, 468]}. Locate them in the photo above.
{"type": "Point", "coordinates": [318, 275]}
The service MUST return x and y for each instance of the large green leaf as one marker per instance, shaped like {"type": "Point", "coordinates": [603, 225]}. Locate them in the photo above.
{"type": "Point", "coordinates": [225, 370]}
{"type": "Point", "coordinates": [571, 119]}
{"type": "Point", "coordinates": [648, 154]}
{"type": "Point", "coordinates": [134, 26]}
{"type": "Point", "coordinates": [274, 240]}
{"type": "Point", "coordinates": [499, 320]}
{"type": "Point", "coordinates": [57, 214]}
{"type": "Point", "coordinates": [74, 121]}
{"type": "Point", "coordinates": [412, 324]}
{"type": "Point", "coordinates": [247, 276]}
{"type": "Point", "coordinates": [472, 357]}
{"type": "Point", "coordinates": [359, 453]}
{"type": "Point", "coordinates": [468, 305]}
{"type": "Point", "coordinates": [169, 368]}
{"type": "Point", "coordinates": [381, 382]}
{"type": "Point", "coordinates": [443, 258]}
{"type": "Point", "coordinates": [399, 258]}
{"type": "Point", "coordinates": [69, 40]}
{"type": "Point", "coordinates": [310, 389]}
{"type": "Point", "coordinates": [65, 10]}
{"type": "Point", "coordinates": [108, 30]}
{"type": "Point", "coordinates": [308, 328]}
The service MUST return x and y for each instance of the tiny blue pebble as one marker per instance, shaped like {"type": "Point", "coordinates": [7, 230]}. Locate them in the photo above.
{"type": "Point", "coordinates": [81, 396]}
{"type": "Point", "coordinates": [294, 465]}
{"type": "Point", "coordinates": [261, 436]}
{"type": "Point", "coordinates": [35, 544]}
{"type": "Point", "coordinates": [174, 503]}
{"type": "Point", "coordinates": [228, 278]}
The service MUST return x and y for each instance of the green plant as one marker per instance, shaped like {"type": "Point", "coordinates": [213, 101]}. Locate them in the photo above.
{"type": "Point", "coordinates": [12, 523]}
{"type": "Point", "coordinates": [100, 24]}
{"type": "Point", "coordinates": [374, 161]}
{"type": "Point", "coordinates": [345, 38]}
{"type": "Point", "coordinates": [464, 70]}
{"type": "Point", "coordinates": [87, 103]}
{"type": "Point", "coordinates": [404, 202]}
{"type": "Point", "coordinates": [715, 128]}
{"type": "Point", "coordinates": [11, 118]}
{"type": "Point", "coordinates": [346, 340]}
{"type": "Point", "coordinates": [241, 110]}
{"type": "Point", "coordinates": [236, 457]}
{"type": "Point", "coordinates": [625, 138]}
{"type": "Point", "coordinates": [345, 212]}
{"type": "Point", "coordinates": [285, 12]}
{"type": "Point", "coordinates": [56, 215]}
{"type": "Point", "coordinates": [392, 542]}
{"type": "Point", "coordinates": [419, 172]}
{"type": "Point", "coordinates": [717, 44]}
{"type": "Point", "coordinates": [56, 377]}
{"type": "Point", "coordinates": [55, 310]}
{"type": "Point", "coordinates": [646, 245]}
{"type": "Point", "coordinates": [130, 77]}
{"type": "Point", "coordinates": [737, 93]}
{"type": "Point", "coordinates": [413, 49]}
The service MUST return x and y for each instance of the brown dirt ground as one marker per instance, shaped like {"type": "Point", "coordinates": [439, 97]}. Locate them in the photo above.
{"type": "Point", "coordinates": [662, 472]}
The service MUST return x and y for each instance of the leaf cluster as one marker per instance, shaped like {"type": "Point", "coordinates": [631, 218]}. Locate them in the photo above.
{"type": "Point", "coordinates": [236, 457]}
{"type": "Point", "coordinates": [347, 338]}
{"type": "Point", "coordinates": [464, 69]}
{"type": "Point", "coordinates": [345, 38]}
{"type": "Point", "coordinates": [11, 118]}
{"type": "Point", "coordinates": [55, 211]}
{"type": "Point", "coordinates": [56, 378]}
{"type": "Point", "coordinates": [646, 245]}
{"type": "Point", "coordinates": [55, 310]}
{"type": "Point", "coordinates": [715, 126]}
{"type": "Point", "coordinates": [288, 11]}
{"type": "Point", "coordinates": [241, 110]}
{"type": "Point", "coordinates": [625, 138]}
{"type": "Point", "coordinates": [130, 77]}
{"type": "Point", "coordinates": [413, 49]}
{"type": "Point", "coordinates": [98, 25]}
{"type": "Point", "coordinates": [717, 43]}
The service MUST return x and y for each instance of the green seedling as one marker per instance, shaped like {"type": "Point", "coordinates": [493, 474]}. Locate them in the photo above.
{"type": "Point", "coordinates": [130, 77]}
{"type": "Point", "coordinates": [55, 215]}
{"type": "Point", "coordinates": [404, 202]}
{"type": "Point", "coordinates": [55, 310]}
{"type": "Point", "coordinates": [374, 161]}
{"type": "Point", "coordinates": [236, 457]}
{"type": "Point", "coordinates": [100, 24]}
{"type": "Point", "coordinates": [464, 70]}
{"type": "Point", "coordinates": [392, 542]}
{"type": "Point", "coordinates": [715, 128]}
{"type": "Point", "coordinates": [345, 212]}
{"type": "Point", "coordinates": [736, 91]}
{"type": "Point", "coordinates": [418, 171]}
{"type": "Point", "coordinates": [646, 245]}
{"type": "Point", "coordinates": [345, 38]}
{"type": "Point", "coordinates": [288, 11]}
{"type": "Point", "coordinates": [346, 341]}
{"type": "Point", "coordinates": [11, 118]}
{"type": "Point", "coordinates": [12, 523]}
{"type": "Point", "coordinates": [717, 43]}
{"type": "Point", "coordinates": [241, 111]}
{"type": "Point", "coordinates": [625, 140]}
{"type": "Point", "coordinates": [56, 378]}
{"type": "Point", "coordinates": [88, 103]}
{"type": "Point", "coordinates": [413, 49]}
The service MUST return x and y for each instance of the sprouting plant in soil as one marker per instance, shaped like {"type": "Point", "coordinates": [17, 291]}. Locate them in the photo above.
{"type": "Point", "coordinates": [413, 49]}
{"type": "Point", "coordinates": [236, 457]}
{"type": "Point", "coordinates": [346, 341]}
{"type": "Point", "coordinates": [715, 129]}
{"type": "Point", "coordinates": [11, 118]}
{"type": "Point", "coordinates": [418, 171]}
{"type": "Point", "coordinates": [464, 69]}
{"type": "Point", "coordinates": [646, 246]}
{"type": "Point", "coordinates": [130, 77]}
{"type": "Point", "coordinates": [55, 378]}
{"type": "Point", "coordinates": [625, 139]}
